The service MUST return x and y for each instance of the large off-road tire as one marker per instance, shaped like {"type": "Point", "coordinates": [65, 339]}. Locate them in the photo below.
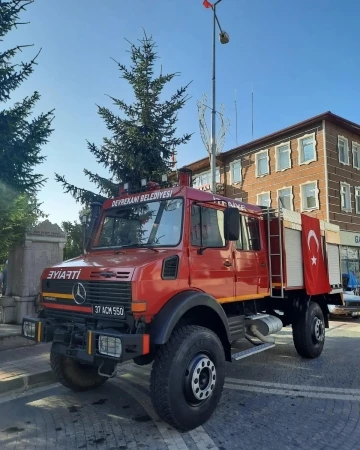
{"type": "Point", "coordinates": [73, 375]}
{"type": "Point", "coordinates": [309, 332]}
{"type": "Point", "coordinates": [187, 377]}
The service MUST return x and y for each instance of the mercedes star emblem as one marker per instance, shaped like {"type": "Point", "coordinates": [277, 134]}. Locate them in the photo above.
{"type": "Point", "coordinates": [79, 293]}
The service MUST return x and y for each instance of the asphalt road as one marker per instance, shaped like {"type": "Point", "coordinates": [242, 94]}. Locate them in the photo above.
{"type": "Point", "coordinates": [273, 400]}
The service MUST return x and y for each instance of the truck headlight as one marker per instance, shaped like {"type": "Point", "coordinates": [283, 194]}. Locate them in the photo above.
{"type": "Point", "coordinates": [29, 329]}
{"type": "Point", "coordinates": [110, 346]}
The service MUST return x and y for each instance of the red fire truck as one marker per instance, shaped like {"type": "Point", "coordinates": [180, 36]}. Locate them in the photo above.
{"type": "Point", "coordinates": [174, 276]}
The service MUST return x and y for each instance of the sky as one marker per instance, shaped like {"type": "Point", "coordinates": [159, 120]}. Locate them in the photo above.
{"type": "Point", "coordinates": [298, 57]}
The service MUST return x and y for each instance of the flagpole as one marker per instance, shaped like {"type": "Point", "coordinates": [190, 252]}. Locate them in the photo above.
{"type": "Point", "coordinates": [213, 111]}
{"type": "Point", "coordinates": [224, 39]}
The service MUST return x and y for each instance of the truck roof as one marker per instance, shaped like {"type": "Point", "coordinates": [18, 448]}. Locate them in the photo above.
{"type": "Point", "coordinates": [179, 191]}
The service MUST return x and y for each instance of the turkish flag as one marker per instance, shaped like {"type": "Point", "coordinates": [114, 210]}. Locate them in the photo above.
{"type": "Point", "coordinates": [207, 4]}
{"type": "Point", "coordinates": [315, 272]}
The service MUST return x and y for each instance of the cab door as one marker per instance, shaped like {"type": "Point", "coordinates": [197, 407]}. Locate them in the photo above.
{"type": "Point", "coordinates": [211, 259]}
{"type": "Point", "coordinates": [246, 260]}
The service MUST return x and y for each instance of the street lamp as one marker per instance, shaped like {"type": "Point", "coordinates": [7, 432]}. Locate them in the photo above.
{"type": "Point", "coordinates": [224, 39]}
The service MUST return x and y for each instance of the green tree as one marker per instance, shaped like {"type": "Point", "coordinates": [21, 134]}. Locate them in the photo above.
{"type": "Point", "coordinates": [75, 237]}
{"type": "Point", "coordinates": [143, 139]}
{"type": "Point", "coordinates": [21, 137]}
{"type": "Point", "coordinates": [17, 213]}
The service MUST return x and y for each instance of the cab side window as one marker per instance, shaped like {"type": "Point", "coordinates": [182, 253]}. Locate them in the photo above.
{"type": "Point", "coordinates": [207, 227]}
{"type": "Point", "coordinates": [240, 241]}
{"type": "Point", "coordinates": [249, 234]}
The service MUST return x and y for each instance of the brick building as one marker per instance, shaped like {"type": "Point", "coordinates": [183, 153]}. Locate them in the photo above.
{"type": "Point", "coordinates": [314, 166]}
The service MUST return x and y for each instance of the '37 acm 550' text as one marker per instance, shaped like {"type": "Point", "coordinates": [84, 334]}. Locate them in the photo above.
{"type": "Point", "coordinates": [106, 310]}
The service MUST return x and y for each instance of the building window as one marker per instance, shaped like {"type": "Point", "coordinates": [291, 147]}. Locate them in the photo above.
{"type": "Point", "coordinates": [285, 198]}
{"type": "Point", "coordinates": [309, 196]}
{"type": "Point", "coordinates": [235, 170]}
{"type": "Point", "coordinates": [282, 154]}
{"type": "Point", "coordinates": [307, 152]}
{"type": "Point", "coordinates": [345, 194]}
{"type": "Point", "coordinates": [204, 178]}
{"type": "Point", "coordinates": [217, 175]}
{"type": "Point", "coordinates": [343, 150]}
{"type": "Point", "coordinates": [350, 262]}
{"type": "Point", "coordinates": [356, 155]}
{"type": "Point", "coordinates": [262, 163]}
{"type": "Point", "coordinates": [357, 200]}
{"type": "Point", "coordinates": [263, 199]}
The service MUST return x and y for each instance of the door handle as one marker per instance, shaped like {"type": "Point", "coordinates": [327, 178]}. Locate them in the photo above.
{"type": "Point", "coordinates": [263, 264]}
{"type": "Point", "coordinates": [227, 264]}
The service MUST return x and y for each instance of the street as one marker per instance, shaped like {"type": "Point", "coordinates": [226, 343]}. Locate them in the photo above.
{"type": "Point", "coordinates": [273, 400]}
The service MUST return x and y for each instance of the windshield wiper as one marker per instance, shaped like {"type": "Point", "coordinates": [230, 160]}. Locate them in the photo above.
{"type": "Point", "coordinates": [147, 246]}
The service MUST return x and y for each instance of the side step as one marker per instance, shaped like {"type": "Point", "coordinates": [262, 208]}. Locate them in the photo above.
{"type": "Point", "coordinates": [252, 351]}
{"type": "Point", "coordinates": [256, 316]}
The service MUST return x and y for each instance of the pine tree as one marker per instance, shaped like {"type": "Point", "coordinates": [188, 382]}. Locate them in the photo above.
{"type": "Point", "coordinates": [143, 140]}
{"type": "Point", "coordinates": [21, 137]}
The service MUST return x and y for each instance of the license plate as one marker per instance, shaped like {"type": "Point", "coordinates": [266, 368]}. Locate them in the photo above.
{"type": "Point", "coordinates": [105, 310]}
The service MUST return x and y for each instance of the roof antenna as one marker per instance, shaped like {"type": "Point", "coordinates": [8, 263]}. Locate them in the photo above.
{"type": "Point", "coordinates": [236, 119]}
{"type": "Point", "coordinates": [252, 113]}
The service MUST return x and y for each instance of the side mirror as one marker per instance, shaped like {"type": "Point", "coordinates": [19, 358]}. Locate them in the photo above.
{"type": "Point", "coordinates": [231, 224]}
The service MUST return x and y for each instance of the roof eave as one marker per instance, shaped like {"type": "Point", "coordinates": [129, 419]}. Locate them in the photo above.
{"type": "Point", "coordinates": [329, 116]}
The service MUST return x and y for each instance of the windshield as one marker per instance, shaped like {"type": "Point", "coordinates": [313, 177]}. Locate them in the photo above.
{"type": "Point", "coordinates": [152, 224]}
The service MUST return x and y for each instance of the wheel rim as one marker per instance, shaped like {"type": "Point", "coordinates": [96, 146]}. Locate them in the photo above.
{"type": "Point", "coordinates": [318, 334]}
{"type": "Point", "coordinates": [200, 379]}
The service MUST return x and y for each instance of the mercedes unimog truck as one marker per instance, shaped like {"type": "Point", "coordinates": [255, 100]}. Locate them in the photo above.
{"type": "Point", "coordinates": [174, 277]}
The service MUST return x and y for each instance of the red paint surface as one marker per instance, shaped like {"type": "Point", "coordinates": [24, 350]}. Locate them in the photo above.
{"type": "Point", "coordinates": [86, 309]}
{"type": "Point", "coordinates": [246, 275]}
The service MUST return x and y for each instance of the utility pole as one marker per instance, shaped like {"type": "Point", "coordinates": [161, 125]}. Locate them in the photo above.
{"type": "Point", "coordinates": [224, 39]}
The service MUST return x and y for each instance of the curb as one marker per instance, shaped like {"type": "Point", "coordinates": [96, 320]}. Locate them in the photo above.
{"type": "Point", "coordinates": [12, 341]}
{"type": "Point", "coordinates": [24, 382]}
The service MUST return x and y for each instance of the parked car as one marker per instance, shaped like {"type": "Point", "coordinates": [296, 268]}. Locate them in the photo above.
{"type": "Point", "coordinates": [351, 308]}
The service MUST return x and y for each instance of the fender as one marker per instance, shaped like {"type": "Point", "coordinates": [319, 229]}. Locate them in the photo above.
{"type": "Point", "coordinates": [167, 318]}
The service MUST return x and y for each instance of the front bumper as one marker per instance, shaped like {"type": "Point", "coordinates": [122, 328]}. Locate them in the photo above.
{"type": "Point", "coordinates": [91, 346]}
{"type": "Point", "coordinates": [348, 311]}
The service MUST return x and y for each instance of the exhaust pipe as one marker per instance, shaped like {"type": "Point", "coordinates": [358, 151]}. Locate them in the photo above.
{"type": "Point", "coordinates": [262, 328]}
{"type": "Point", "coordinates": [261, 337]}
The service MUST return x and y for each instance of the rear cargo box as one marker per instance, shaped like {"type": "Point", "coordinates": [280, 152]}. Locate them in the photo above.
{"type": "Point", "coordinates": [290, 249]}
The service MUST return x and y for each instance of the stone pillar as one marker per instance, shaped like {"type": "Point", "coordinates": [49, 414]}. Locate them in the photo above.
{"type": "Point", "coordinates": [43, 246]}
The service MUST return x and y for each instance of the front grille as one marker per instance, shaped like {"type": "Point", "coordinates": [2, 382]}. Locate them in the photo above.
{"type": "Point", "coordinates": [69, 316]}
{"type": "Point", "coordinates": [97, 292]}
{"type": "Point", "coordinates": [124, 275]}
{"type": "Point", "coordinates": [350, 304]}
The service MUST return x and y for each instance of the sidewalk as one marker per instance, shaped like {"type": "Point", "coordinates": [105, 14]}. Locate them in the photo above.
{"type": "Point", "coordinates": [25, 367]}
{"type": "Point", "coordinates": [10, 337]}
